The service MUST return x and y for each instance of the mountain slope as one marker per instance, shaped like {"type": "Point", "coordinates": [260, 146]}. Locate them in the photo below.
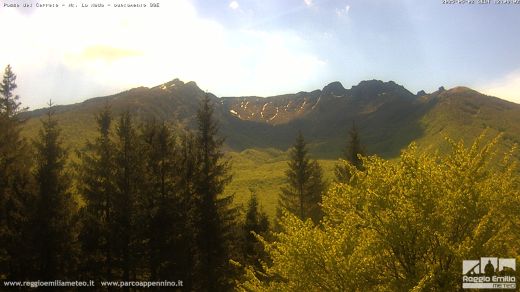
{"type": "Point", "coordinates": [464, 113]}
{"type": "Point", "coordinates": [388, 116]}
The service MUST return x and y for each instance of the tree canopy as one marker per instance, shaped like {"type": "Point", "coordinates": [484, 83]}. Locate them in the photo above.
{"type": "Point", "coordinates": [404, 225]}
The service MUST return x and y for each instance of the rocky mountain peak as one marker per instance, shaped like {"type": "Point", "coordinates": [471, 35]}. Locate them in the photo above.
{"type": "Point", "coordinates": [334, 88]}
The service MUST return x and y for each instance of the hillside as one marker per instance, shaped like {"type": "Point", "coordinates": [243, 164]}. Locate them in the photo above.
{"type": "Point", "coordinates": [259, 130]}
{"type": "Point", "coordinates": [388, 116]}
{"type": "Point", "coordinates": [463, 113]}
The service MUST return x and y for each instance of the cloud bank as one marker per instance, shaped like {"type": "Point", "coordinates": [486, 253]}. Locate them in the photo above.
{"type": "Point", "coordinates": [70, 55]}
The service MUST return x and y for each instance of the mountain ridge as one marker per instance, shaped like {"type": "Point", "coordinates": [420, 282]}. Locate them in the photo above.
{"type": "Point", "coordinates": [388, 115]}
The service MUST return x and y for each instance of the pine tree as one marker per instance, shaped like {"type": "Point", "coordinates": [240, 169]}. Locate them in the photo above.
{"type": "Point", "coordinates": [127, 199]}
{"type": "Point", "coordinates": [256, 221]}
{"type": "Point", "coordinates": [351, 153]}
{"type": "Point", "coordinates": [305, 185]}
{"type": "Point", "coordinates": [54, 224]}
{"type": "Point", "coordinates": [97, 187]}
{"type": "Point", "coordinates": [9, 103]}
{"type": "Point", "coordinates": [15, 185]}
{"type": "Point", "coordinates": [163, 213]}
{"type": "Point", "coordinates": [215, 217]}
{"type": "Point", "coordinates": [185, 266]}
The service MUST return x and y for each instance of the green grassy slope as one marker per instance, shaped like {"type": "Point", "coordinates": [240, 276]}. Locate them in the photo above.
{"type": "Point", "coordinates": [263, 171]}
{"type": "Point", "coordinates": [462, 113]}
{"type": "Point", "coordinates": [388, 117]}
{"type": "Point", "coordinates": [174, 101]}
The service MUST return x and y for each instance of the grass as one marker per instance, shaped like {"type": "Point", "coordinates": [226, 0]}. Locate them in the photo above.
{"type": "Point", "coordinates": [263, 172]}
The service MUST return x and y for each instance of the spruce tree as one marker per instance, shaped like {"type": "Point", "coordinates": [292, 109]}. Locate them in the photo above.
{"type": "Point", "coordinates": [54, 224]}
{"type": "Point", "coordinates": [305, 185]}
{"type": "Point", "coordinates": [216, 219]}
{"type": "Point", "coordinates": [256, 221]}
{"type": "Point", "coordinates": [351, 153]}
{"type": "Point", "coordinates": [163, 213]}
{"type": "Point", "coordinates": [16, 191]}
{"type": "Point", "coordinates": [127, 199]}
{"type": "Point", "coordinates": [9, 102]}
{"type": "Point", "coordinates": [97, 186]}
{"type": "Point", "coordinates": [187, 232]}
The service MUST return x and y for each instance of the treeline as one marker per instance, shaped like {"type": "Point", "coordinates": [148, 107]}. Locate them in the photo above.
{"type": "Point", "coordinates": [142, 202]}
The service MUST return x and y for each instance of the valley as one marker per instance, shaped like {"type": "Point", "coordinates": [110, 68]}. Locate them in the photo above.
{"type": "Point", "coordinates": [259, 131]}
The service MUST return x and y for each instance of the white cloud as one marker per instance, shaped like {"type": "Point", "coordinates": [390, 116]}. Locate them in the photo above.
{"type": "Point", "coordinates": [69, 57]}
{"type": "Point", "coordinates": [343, 11]}
{"type": "Point", "coordinates": [308, 2]}
{"type": "Point", "coordinates": [234, 5]}
{"type": "Point", "coordinates": [507, 87]}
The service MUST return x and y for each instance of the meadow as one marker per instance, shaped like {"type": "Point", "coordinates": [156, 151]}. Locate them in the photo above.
{"type": "Point", "coordinates": [263, 171]}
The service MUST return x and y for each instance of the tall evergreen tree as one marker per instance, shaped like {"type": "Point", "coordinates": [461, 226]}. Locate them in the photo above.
{"type": "Point", "coordinates": [351, 153]}
{"type": "Point", "coordinates": [256, 221]}
{"type": "Point", "coordinates": [15, 185]}
{"type": "Point", "coordinates": [127, 199]}
{"type": "Point", "coordinates": [97, 186]}
{"type": "Point", "coordinates": [305, 185]}
{"type": "Point", "coordinates": [163, 213]}
{"type": "Point", "coordinates": [187, 233]}
{"type": "Point", "coordinates": [216, 218]}
{"type": "Point", "coordinates": [9, 102]}
{"type": "Point", "coordinates": [54, 224]}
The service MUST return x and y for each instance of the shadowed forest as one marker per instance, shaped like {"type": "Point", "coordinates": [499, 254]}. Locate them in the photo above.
{"type": "Point", "coordinates": [147, 201]}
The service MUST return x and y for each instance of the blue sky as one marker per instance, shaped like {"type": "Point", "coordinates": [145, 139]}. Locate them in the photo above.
{"type": "Point", "coordinates": [268, 47]}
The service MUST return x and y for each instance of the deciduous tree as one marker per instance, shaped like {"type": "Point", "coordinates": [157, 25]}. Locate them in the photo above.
{"type": "Point", "coordinates": [401, 225]}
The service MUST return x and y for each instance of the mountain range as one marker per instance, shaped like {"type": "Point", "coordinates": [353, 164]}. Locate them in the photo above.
{"type": "Point", "coordinates": [387, 115]}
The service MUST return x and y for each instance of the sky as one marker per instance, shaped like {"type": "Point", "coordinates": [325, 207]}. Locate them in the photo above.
{"type": "Point", "coordinates": [263, 48]}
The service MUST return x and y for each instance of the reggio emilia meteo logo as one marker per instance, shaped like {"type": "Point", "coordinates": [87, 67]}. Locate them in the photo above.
{"type": "Point", "coordinates": [489, 273]}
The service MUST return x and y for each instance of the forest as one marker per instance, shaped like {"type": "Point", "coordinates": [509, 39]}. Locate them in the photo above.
{"type": "Point", "coordinates": [146, 201]}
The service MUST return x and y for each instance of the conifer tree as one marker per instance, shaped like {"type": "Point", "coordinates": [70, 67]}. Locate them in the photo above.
{"type": "Point", "coordinates": [351, 153]}
{"type": "Point", "coordinates": [9, 103]}
{"type": "Point", "coordinates": [162, 211]}
{"type": "Point", "coordinates": [54, 224]}
{"type": "Point", "coordinates": [97, 187]}
{"type": "Point", "coordinates": [15, 185]}
{"type": "Point", "coordinates": [127, 199]}
{"type": "Point", "coordinates": [256, 222]}
{"type": "Point", "coordinates": [305, 185]}
{"type": "Point", "coordinates": [214, 215]}
{"type": "Point", "coordinates": [187, 232]}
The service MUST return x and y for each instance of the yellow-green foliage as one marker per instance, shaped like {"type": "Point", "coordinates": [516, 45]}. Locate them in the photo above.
{"type": "Point", "coordinates": [400, 226]}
